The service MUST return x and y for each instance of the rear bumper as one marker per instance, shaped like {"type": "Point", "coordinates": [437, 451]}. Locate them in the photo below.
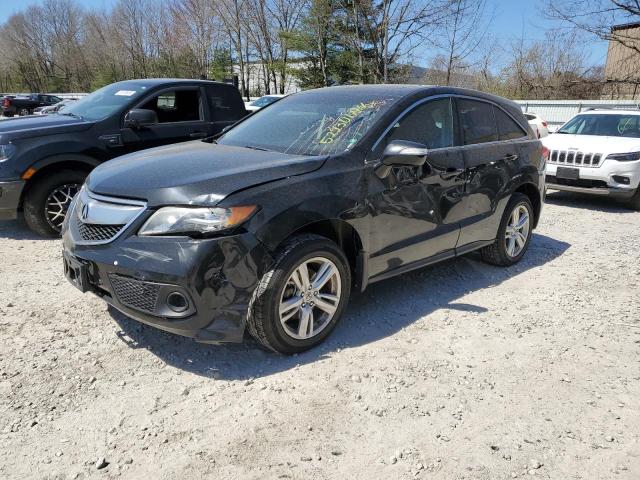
{"type": "Point", "coordinates": [10, 193]}
{"type": "Point", "coordinates": [216, 276]}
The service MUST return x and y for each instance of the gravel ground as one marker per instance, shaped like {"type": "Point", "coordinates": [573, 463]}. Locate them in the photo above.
{"type": "Point", "coordinates": [458, 371]}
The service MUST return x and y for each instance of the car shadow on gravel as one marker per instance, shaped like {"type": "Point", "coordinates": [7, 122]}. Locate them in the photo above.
{"type": "Point", "coordinates": [587, 202]}
{"type": "Point", "coordinates": [383, 310]}
{"type": "Point", "coordinates": [17, 230]}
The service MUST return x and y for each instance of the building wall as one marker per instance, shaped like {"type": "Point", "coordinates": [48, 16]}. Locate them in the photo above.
{"type": "Point", "coordinates": [622, 70]}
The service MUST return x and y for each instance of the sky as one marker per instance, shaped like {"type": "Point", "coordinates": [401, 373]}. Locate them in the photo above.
{"type": "Point", "coordinates": [510, 18]}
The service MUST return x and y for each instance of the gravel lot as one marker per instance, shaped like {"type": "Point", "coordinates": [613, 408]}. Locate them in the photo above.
{"type": "Point", "coordinates": [458, 371]}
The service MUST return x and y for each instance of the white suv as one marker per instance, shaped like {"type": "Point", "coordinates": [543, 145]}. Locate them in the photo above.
{"type": "Point", "coordinates": [597, 152]}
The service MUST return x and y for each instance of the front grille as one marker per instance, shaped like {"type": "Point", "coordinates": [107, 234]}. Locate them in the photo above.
{"type": "Point", "coordinates": [90, 232]}
{"type": "Point", "coordinates": [574, 157]}
{"type": "Point", "coordinates": [135, 293]}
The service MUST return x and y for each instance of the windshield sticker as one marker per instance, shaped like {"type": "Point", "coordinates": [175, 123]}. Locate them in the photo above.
{"type": "Point", "coordinates": [125, 93]}
{"type": "Point", "coordinates": [347, 118]}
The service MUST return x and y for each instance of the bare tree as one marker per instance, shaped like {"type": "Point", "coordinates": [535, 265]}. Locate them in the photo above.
{"type": "Point", "coordinates": [463, 32]}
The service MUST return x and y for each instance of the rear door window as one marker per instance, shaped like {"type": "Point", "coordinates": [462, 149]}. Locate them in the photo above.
{"type": "Point", "coordinates": [225, 102]}
{"type": "Point", "coordinates": [478, 121]}
{"type": "Point", "coordinates": [508, 129]}
{"type": "Point", "coordinates": [176, 105]}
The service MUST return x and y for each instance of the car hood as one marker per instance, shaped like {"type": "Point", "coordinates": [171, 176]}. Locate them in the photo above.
{"type": "Point", "coordinates": [194, 173]}
{"type": "Point", "coordinates": [38, 125]}
{"type": "Point", "coordinates": [591, 143]}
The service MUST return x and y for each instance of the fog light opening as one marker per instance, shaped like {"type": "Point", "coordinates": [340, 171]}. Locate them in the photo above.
{"type": "Point", "coordinates": [177, 302]}
{"type": "Point", "coordinates": [621, 179]}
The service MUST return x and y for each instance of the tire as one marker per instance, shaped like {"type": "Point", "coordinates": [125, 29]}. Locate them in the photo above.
{"type": "Point", "coordinates": [23, 112]}
{"type": "Point", "coordinates": [634, 202]}
{"type": "Point", "coordinates": [498, 253]}
{"type": "Point", "coordinates": [38, 195]}
{"type": "Point", "coordinates": [277, 285]}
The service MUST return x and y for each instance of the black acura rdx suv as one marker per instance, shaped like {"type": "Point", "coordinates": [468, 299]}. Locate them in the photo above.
{"type": "Point", "coordinates": [271, 225]}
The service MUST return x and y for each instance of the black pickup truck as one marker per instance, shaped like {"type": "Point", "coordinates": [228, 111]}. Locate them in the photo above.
{"type": "Point", "coordinates": [45, 159]}
{"type": "Point", "coordinates": [25, 105]}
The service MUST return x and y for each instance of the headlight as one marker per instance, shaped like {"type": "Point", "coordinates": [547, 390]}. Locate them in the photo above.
{"type": "Point", "coordinates": [184, 220]}
{"type": "Point", "coordinates": [624, 157]}
{"type": "Point", "coordinates": [6, 151]}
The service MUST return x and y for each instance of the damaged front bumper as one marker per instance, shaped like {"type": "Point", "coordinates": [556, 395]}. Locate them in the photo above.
{"type": "Point", "coordinates": [199, 288]}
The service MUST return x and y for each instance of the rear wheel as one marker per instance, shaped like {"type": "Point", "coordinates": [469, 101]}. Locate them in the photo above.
{"type": "Point", "coordinates": [299, 301]}
{"type": "Point", "coordinates": [23, 112]}
{"type": "Point", "coordinates": [514, 233]}
{"type": "Point", "coordinates": [47, 201]}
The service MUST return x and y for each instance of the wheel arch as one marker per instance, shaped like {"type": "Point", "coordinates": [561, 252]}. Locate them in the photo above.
{"type": "Point", "coordinates": [531, 191]}
{"type": "Point", "coordinates": [55, 163]}
{"type": "Point", "coordinates": [346, 237]}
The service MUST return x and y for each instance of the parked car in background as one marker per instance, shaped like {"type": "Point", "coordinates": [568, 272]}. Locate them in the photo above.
{"type": "Point", "coordinates": [25, 105]}
{"type": "Point", "coordinates": [539, 126]}
{"type": "Point", "coordinates": [44, 159]}
{"type": "Point", "coordinates": [597, 152]}
{"type": "Point", "coordinates": [271, 225]}
{"type": "Point", "coordinates": [53, 108]}
{"type": "Point", "coordinates": [262, 102]}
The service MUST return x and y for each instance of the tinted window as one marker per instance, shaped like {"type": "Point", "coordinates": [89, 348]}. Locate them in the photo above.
{"type": "Point", "coordinates": [508, 129]}
{"type": "Point", "coordinates": [226, 103]}
{"type": "Point", "coordinates": [478, 122]}
{"type": "Point", "coordinates": [611, 125]}
{"type": "Point", "coordinates": [176, 106]}
{"type": "Point", "coordinates": [320, 122]}
{"type": "Point", "coordinates": [430, 124]}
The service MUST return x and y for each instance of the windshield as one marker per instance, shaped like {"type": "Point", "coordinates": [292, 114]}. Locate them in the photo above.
{"type": "Point", "coordinates": [606, 124]}
{"type": "Point", "coordinates": [319, 122]}
{"type": "Point", "coordinates": [105, 101]}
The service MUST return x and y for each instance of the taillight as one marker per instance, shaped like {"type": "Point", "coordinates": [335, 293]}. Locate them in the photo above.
{"type": "Point", "coordinates": [6, 102]}
{"type": "Point", "coordinates": [544, 124]}
{"type": "Point", "coordinates": [545, 154]}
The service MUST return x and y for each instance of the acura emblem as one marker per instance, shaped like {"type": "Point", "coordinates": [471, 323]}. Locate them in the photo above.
{"type": "Point", "coordinates": [85, 212]}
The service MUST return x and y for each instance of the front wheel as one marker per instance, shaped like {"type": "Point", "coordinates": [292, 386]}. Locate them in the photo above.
{"type": "Point", "coordinates": [514, 233]}
{"type": "Point", "coordinates": [299, 301]}
{"type": "Point", "coordinates": [634, 202]}
{"type": "Point", "coordinates": [46, 202]}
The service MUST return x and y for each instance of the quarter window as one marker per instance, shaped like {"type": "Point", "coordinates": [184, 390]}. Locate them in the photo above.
{"type": "Point", "coordinates": [478, 122]}
{"type": "Point", "coordinates": [508, 129]}
{"type": "Point", "coordinates": [430, 124]}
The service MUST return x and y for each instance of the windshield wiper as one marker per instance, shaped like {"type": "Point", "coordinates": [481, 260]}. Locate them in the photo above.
{"type": "Point", "coordinates": [252, 147]}
{"type": "Point", "coordinates": [69, 114]}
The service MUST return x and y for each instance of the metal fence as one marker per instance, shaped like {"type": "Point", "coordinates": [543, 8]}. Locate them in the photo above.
{"type": "Point", "coordinates": [557, 112]}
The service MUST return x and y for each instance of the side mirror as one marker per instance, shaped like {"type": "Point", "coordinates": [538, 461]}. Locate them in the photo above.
{"type": "Point", "coordinates": [139, 118]}
{"type": "Point", "coordinates": [402, 153]}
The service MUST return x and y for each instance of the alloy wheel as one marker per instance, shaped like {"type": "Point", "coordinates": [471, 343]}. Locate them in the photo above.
{"type": "Point", "coordinates": [310, 298]}
{"type": "Point", "coordinates": [58, 203]}
{"type": "Point", "coordinates": [517, 231]}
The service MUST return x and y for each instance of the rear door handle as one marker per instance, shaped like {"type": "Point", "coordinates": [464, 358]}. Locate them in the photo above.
{"type": "Point", "coordinates": [198, 134]}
